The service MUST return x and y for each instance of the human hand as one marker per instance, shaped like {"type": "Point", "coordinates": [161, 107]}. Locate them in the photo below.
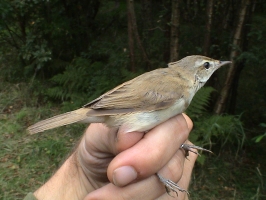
{"type": "Point", "coordinates": [112, 165]}
{"type": "Point", "coordinates": [135, 158]}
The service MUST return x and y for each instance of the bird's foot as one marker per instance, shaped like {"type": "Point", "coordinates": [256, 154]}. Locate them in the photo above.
{"type": "Point", "coordinates": [171, 186]}
{"type": "Point", "coordinates": [189, 148]}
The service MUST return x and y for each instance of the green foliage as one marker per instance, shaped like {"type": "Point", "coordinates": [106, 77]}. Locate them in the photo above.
{"type": "Point", "coordinates": [255, 54]}
{"type": "Point", "coordinates": [36, 52]}
{"type": "Point", "coordinates": [83, 80]}
{"type": "Point", "coordinates": [228, 178]}
{"type": "Point", "coordinates": [213, 129]}
{"type": "Point", "coordinates": [26, 161]}
{"type": "Point", "coordinates": [75, 78]}
{"type": "Point", "coordinates": [260, 137]}
{"type": "Point", "coordinates": [200, 102]}
{"type": "Point", "coordinates": [252, 90]}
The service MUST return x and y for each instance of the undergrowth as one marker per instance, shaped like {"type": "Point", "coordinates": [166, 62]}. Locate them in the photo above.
{"type": "Point", "coordinates": [27, 161]}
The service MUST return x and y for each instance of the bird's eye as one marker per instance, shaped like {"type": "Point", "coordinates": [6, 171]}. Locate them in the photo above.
{"type": "Point", "coordinates": [206, 65]}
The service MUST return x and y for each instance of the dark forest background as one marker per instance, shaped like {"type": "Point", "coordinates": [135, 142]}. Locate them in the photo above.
{"type": "Point", "coordinates": [58, 55]}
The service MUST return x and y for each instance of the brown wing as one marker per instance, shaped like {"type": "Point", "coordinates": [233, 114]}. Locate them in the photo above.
{"type": "Point", "coordinates": [147, 92]}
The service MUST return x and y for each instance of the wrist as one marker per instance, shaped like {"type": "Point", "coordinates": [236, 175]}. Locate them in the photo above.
{"type": "Point", "coordinates": [69, 182]}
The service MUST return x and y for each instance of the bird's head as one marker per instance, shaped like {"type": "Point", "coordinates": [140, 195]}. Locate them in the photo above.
{"type": "Point", "coordinates": [201, 67]}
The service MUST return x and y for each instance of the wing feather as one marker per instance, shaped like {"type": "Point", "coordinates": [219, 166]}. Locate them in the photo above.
{"type": "Point", "coordinates": [131, 96]}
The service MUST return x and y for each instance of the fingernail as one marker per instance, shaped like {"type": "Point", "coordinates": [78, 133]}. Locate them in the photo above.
{"type": "Point", "coordinates": [124, 175]}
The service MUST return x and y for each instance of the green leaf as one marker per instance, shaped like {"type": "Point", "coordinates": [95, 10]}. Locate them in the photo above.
{"type": "Point", "coordinates": [259, 138]}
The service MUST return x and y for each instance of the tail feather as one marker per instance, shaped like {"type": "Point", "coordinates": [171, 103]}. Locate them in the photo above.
{"type": "Point", "coordinates": [59, 120]}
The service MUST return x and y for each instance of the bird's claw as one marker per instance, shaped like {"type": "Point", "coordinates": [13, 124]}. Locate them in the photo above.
{"type": "Point", "coordinates": [171, 186]}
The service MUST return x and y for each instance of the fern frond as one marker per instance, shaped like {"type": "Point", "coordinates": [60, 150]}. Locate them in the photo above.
{"type": "Point", "coordinates": [200, 101]}
{"type": "Point", "coordinates": [223, 129]}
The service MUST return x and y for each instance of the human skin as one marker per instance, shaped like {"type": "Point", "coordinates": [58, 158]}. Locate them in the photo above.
{"type": "Point", "coordinates": [108, 164]}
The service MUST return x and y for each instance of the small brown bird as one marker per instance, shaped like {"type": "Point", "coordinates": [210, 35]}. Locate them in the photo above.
{"type": "Point", "coordinates": [145, 101]}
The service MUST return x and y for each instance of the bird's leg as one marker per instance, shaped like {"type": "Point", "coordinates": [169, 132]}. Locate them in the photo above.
{"type": "Point", "coordinates": [189, 148]}
{"type": "Point", "coordinates": [171, 186]}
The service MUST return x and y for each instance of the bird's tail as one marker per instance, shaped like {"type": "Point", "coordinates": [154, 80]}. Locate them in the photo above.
{"type": "Point", "coordinates": [59, 120]}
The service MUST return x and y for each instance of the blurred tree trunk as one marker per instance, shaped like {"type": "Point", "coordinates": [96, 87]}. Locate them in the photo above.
{"type": "Point", "coordinates": [146, 12]}
{"type": "Point", "coordinates": [233, 94]}
{"type": "Point", "coordinates": [166, 31]}
{"type": "Point", "coordinates": [175, 20]}
{"type": "Point", "coordinates": [130, 36]}
{"type": "Point", "coordinates": [233, 70]}
{"type": "Point", "coordinates": [228, 14]}
{"type": "Point", "coordinates": [207, 37]}
{"type": "Point", "coordinates": [133, 21]}
{"type": "Point", "coordinates": [241, 64]}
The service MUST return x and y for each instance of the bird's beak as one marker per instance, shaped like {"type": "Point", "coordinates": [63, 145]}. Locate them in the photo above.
{"type": "Point", "coordinates": [222, 63]}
